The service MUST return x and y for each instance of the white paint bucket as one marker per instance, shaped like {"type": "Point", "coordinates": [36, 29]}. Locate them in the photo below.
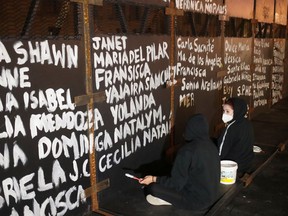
{"type": "Point", "coordinates": [228, 172]}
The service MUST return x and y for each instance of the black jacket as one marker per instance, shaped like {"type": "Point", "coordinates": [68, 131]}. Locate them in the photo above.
{"type": "Point", "coordinates": [196, 170]}
{"type": "Point", "coordinates": [236, 141]}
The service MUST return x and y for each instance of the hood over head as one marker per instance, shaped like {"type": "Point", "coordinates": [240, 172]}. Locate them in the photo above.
{"type": "Point", "coordinates": [196, 128]}
{"type": "Point", "coordinates": [239, 107]}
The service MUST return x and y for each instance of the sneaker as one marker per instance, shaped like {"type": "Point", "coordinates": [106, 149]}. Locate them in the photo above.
{"type": "Point", "coordinates": [156, 201]}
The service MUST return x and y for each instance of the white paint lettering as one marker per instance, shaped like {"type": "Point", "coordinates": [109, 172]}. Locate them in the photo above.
{"type": "Point", "coordinates": [18, 79]}
{"type": "Point", "coordinates": [21, 51]}
{"type": "Point", "coordinates": [4, 54]}
{"type": "Point", "coordinates": [13, 131]}
{"type": "Point", "coordinates": [42, 185]}
{"type": "Point", "coordinates": [58, 174]}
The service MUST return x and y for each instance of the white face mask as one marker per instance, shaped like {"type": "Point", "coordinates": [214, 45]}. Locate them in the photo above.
{"type": "Point", "coordinates": [226, 118]}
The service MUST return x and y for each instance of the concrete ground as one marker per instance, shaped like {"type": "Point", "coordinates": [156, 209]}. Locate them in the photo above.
{"type": "Point", "coordinates": [266, 195]}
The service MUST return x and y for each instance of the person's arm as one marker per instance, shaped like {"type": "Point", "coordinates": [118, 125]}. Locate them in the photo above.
{"type": "Point", "coordinates": [179, 174]}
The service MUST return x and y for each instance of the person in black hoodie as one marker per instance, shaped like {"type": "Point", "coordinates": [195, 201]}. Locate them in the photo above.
{"type": "Point", "coordinates": [236, 140]}
{"type": "Point", "coordinates": [195, 176]}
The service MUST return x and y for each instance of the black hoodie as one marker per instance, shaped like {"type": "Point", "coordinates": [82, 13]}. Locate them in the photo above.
{"type": "Point", "coordinates": [236, 141]}
{"type": "Point", "coordinates": [196, 170]}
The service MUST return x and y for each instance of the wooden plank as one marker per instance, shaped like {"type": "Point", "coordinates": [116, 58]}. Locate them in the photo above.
{"type": "Point", "coordinates": [104, 212]}
{"type": "Point", "coordinates": [98, 187]}
{"type": "Point", "coordinates": [159, 3]}
{"type": "Point", "coordinates": [92, 2]}
{"type": "Point", "coordinates": [265, 11]}
{"type": "Point", "coordinates": [247, 179]}
{"type": "Point", "coordinates": [215, 7]}
{"type": "Point", "coordinates": [223, 17]}
{"type": "Point", "coordinates": [224, 200]}
{"type": "Point", "coordinates": [90, 105]}
{"type": "Point", "coordinates": [246, 11]}
{"type": "Point", "coordinates": [174, 12]}
{"type": "Point", "coordinates": [221, 73]}
{"type": "Point", "coordinates": [176, 82]}
{"type": "Point", "coordinates": [84, 99]}
{"type": "Point", "coordinates": [281, 12]}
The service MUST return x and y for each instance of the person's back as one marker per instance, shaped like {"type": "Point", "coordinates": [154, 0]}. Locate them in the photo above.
{"type": "Point", "coordinates": [204, 177]}
{"type": "Point", "coordinates": [195, 176]}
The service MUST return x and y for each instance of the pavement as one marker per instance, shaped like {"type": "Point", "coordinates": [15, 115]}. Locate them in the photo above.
{"type": "Point", "coordinates": [266, 195]}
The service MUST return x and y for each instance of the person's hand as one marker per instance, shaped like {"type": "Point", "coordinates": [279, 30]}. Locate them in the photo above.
{"type": "Point", "coordinates": [148, 180]}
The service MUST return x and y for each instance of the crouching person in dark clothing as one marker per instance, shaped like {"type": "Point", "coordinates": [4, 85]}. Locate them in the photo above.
{"type": "Point", "coordinates": [236, 141]}
{"type": "Point", "coordinates": [195, 175]}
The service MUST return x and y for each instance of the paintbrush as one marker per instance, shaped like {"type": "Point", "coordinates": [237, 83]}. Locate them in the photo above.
{"type": "Point", "coordinates": [133, 177]}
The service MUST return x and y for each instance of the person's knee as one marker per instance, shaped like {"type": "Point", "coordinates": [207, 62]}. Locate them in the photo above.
{"type": "Point", "coordinates": [150, 189]}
